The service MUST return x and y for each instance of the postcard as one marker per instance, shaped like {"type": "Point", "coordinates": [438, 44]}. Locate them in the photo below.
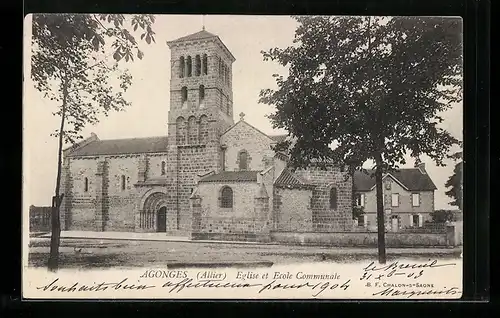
{"type": "Point", "coordinates": [242, 157]}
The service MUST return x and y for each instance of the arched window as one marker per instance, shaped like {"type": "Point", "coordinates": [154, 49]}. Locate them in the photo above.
{"type": "Point", "coordinates": [180, 132]}
{"type": "Point", "coordinates": [243, 160]}
{"type": "Point", "coordinates": [333, 198]}
{"type": "Point", "coordinates": [227, 75]}
{"type": "Point", "coordinates": [163, 166]}
{"type": "Point", "coordinates": [228, 107]}
{"type": "Point", "coordinates": [192, 131]}
{"type": "Point", "coordinates": [205, 64]}
{"type": "Point", "coordinates": [182, 67]}
{"type": "Point", "coordinates": [189, 66]}
{"type": "Point", "coordinates": [184, 93]}
{"type": "Point", "coordinates": [203, 129]}
{"type": "Point", "coordinates": [226, 198]}
{"type": "Point", "coordinates": [224, 72]}
{"type": "Point", "coordinates": [123, 182]}
{"type": "Point", "coordinates": [201, 95]}
{"type": "Point", "coordinates": [197, 65]}
{"type": "Point", "coordinates": [86, 184]}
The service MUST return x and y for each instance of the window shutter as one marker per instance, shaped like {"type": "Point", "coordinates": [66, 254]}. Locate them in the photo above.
{"type": "Point", "coordinates": [420, 220]}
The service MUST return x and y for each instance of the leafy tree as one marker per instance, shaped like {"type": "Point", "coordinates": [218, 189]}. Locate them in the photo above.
{"type": "Point", "coordinates": [455, 183]}
{"type": "Point", "coordinates": [367, 88]}
{"type": "Point", "coordinates": [441, 216]}
{"type": "Point", "coordinates": [68, 65]}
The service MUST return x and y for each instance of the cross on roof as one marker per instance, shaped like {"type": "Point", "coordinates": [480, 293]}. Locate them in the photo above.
{"type": "Point", "coordinates": [242, 116]}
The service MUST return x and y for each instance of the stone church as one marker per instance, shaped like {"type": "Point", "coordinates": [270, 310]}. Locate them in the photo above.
{"type": "Point", "coordinates": [209, 178]}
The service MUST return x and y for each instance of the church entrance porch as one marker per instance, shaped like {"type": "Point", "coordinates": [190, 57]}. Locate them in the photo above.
{"type": "Point", "coordinates": [153, 215]}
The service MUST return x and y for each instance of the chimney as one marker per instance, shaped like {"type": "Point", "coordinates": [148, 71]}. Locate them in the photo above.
{"type": "Point", "coordinates": [421, 167]}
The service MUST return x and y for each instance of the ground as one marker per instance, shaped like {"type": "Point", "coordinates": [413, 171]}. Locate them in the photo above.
{"type": "Point", "coordinates": [97, 253]}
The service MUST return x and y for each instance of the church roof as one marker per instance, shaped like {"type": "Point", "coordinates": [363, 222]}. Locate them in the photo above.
{"type": "Point", "coordinates": [290, 179]}
{"type": "Point", "coordinates": [196, 36]}
{"type": "Point", "coordinates": [122, 146]}
{"type": "Point", "coordinates": [413, 179]}
{"type": "Point", "coordinates": [201, 35]}
{"type": "Point", "coordinates": [231, 176]}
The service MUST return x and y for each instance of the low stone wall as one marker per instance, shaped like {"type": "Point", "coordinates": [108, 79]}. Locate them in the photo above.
{"type": "Point", "coordinates": [362, 239]}
{"type": "Point", "coordinates": [241, 237]}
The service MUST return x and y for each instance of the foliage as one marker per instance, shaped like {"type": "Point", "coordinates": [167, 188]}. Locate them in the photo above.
{"type": "Point", "coordinates": [455, 184]}
{"type": "Point", "coordinates": [68, 65]}
{"type": "Point", "coordinates": [68, 58]}
{"type": "Point", "coordinates": [370, 86]}
{"type": "Point", "coordinates": [441, 216]}
{"type": "Point", "coordinates": [367, 88]}
{"type": "Point", "coordinates": [357, 211]}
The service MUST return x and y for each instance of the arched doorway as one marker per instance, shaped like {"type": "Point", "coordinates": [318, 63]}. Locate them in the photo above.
{"type": "Point", "coordinates": [161, 220]}
{"type": "Point", "coordinates": [153, 215]}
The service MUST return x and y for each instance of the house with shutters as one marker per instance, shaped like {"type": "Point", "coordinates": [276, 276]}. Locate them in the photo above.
{"type": "Point", "coordinates": [408, 198]}
{"type": "Point", "coordinates": [210, 177]}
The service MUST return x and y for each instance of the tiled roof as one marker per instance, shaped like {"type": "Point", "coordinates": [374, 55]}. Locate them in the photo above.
{"type": "Point", "coordinates": [289, 179]}
{"type": "Point", "coordinates": [196, 36]}
{"type": "Point", "coordinates": [231, 176]}
{"type": "Point", "coordinates": [122, 146]}
{"type": "Point", "coordinates": [278, 138]}
{"type": "Point", "coordinates": [413, 179]}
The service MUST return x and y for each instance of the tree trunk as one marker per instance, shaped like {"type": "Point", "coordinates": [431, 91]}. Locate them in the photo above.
{"type": "Point", "coordinates": [380, 210]}
{"type": "Point", "coordinates": [55, 238]}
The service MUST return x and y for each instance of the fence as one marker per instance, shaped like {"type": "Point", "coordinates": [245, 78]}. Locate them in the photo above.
{"type": "Point", "coordinates": [40, 217]}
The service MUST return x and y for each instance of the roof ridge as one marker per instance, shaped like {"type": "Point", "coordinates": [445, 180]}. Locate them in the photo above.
{"type": "Point", "coordinates": [132, 138]}
{"type": "Point", "coordinates": [244, 121]}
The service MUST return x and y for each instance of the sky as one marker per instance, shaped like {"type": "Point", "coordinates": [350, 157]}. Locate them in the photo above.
{"type": "Point", "coordinates": [245, 37]}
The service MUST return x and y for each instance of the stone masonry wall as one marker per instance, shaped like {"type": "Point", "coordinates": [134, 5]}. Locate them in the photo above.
{"type": "Point", "coordinates": [240, 219]}
{"type": "Point", "coordinates": [293, 209]}
{"type": "Point", "coordinates": [325, 218]}
{"type": "Point", "coordinates": [244, 137]}
{"type": "Point", "coordinates": [154, 165]}
{"type": "Point", "coordinates": [81, 213]}
{"type": "Point", "coordinates": [122, 202]}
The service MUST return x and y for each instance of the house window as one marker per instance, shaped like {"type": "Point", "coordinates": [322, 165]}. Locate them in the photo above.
{"type": "Point", "coordinates": [201, 94]}
{"type": "Point", "coordinates": [226, 198]}
{"type": "Point", "coordinates": [360, 199]}
{"type": "Point", "coordinates": [333, 198]}
{"type": "Point", "coordinates": [86, 185]}
{"type": "Point", "coordinates": [415, 220]}
{"type": "Point", "coordinates": [415, 199]}
{"type": "Point", "coordinates": [243, 160]}
{"type": "Point", "coordinates": [205, 64]}
{"type": "Point", "coordinates": [163, 164]}
{"type": "Point", "coordinates": [197, 65]}
{"type": "Point", "coordinates": [182, 67]}
{"type": "Point", "coordinates": [123, 182]}
{"type": "Point", "coordinates": [189, 66]}
{"type": "Point", "coordinates": [395, 199]}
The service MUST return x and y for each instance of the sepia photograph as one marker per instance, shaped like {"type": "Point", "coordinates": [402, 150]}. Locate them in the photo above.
{"type": "Point", "coordinates": [242, 157]}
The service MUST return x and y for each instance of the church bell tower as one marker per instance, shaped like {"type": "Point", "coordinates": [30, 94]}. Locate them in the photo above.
{"type": "Point", "coordinates": [201, 110]}
{"type": "Point", "coordinates": [201, 96]}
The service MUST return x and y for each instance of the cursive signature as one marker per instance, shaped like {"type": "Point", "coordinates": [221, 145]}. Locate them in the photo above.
{"type": "Point", "coordinates": [410, 293]}
{"type": "Point", "coordinates": [320, 286]}
{"type": "Point", "coordinates": [95, 287]}
{"type": "Point", "coordinates": [204, 283]}
{"type": "Point", "coordinates": [399, 266]}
